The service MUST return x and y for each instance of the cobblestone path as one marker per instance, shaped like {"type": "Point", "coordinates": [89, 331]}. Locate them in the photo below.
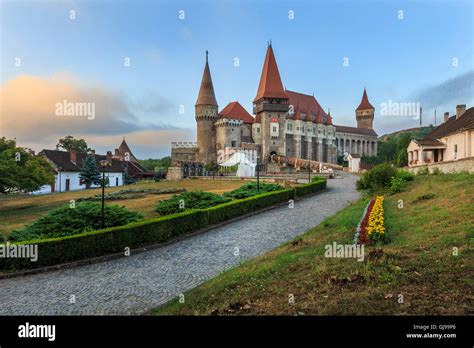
{"type": "Point", "coordinates": [137, 283]}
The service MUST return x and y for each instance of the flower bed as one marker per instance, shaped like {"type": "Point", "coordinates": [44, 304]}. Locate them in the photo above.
{"type": "Point", "coordinates": [371, 228]}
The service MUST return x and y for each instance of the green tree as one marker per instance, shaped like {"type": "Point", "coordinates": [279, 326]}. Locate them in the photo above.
{"type": "Point", "coordinates": [90, 174]}
{"type": "Point", "coordinates": [156, 164]}
{"type": "Point", "coordinates": [69, 142]}
{"type": "Point", "coordinates": [21, 171]}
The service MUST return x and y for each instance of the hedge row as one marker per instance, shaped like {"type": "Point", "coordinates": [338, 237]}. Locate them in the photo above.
{"type": "Point", "coordinates": [317, 184]}
{"type": "Point", "coordinates": [148, 232]}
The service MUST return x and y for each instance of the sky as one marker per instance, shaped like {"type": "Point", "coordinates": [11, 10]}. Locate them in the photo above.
{"type": "Point", "coordinates": [140, 63]}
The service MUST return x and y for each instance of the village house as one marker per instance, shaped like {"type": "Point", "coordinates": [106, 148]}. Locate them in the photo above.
{"type": "Point", "coordinates": [449, 147]}
{"type": "Point", "coordinates": [67, 166]}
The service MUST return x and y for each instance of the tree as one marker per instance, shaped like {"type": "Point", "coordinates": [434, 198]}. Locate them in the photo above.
{"type": "Point", "coordinates": [20, 170]}
{"type": "Point", "coordinates": [156, 164]}
{"type": "Point", "coordinates": [90, 174]}
{"type": "Point", "coordinates": [69, 142]}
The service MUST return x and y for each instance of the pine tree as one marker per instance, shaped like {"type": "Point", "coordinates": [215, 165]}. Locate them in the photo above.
{"type": "Point", "coordinates": [90, 174]}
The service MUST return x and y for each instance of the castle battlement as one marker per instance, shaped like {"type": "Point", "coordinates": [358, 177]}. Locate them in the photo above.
{"type": "Point", "coordinates": [184, 144]}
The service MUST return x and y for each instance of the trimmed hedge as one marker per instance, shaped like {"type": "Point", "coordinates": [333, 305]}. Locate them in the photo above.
{"type": "Point", "coordinates": [148, 232]}
{"type": "Point", "coordinates": [317, 184]}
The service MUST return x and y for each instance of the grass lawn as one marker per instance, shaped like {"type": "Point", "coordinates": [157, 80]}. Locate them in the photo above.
{"type": "Point", "coordinates": [416, 273]}
{"type": "Point", "coordinates": [17, 211]}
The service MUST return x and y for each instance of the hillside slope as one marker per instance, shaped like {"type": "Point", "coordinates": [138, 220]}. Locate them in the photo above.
{"type": "Point", "coordinates": [416, 273]}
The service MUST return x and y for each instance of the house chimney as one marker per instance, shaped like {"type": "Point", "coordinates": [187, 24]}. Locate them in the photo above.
{"type": "Point", "coordinates": [446, 116]}
{"type": "Point", "coordinates": [117, 152]}
{"type": "Point", "coordinates": [109, 157]}
{"type": "Point", "coordinates": [460, 109]}
{"type": "Point", "coordinates": [73, 155]}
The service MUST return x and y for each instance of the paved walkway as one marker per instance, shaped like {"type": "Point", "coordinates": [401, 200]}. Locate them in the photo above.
{"type": "Point", "coordinates": [137, 283]}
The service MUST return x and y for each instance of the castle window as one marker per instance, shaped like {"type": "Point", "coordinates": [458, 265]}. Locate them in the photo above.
{"type": "Point", "coordinates": [258, 129]}
{"type": "Point", "coordinates": [274, 129]}
{"type": "Point", "coordinates": [233, 143]}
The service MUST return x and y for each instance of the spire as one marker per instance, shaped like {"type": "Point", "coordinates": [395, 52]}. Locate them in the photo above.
{"type": "Point", "coordinates": [206, 91]}
{"type": "Point", "coordinates": [319, 116]}
{"type": "Point", "coordinates": [365, 104]}
{"type": "Point", "coordinates": [329, 119]}
{"type": "Point", "coordinates": [270, 85]}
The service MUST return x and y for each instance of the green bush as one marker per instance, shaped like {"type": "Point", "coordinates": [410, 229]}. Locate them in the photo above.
{"type": "Point", "coordinates": [424, 197]}
{"type": "Point", "coordinates": [314, 186]}
{"type": "Point", "coordinates": [244, 206]}
{"type": "Point", "coordinates": [405, 175]}
{"type": "Point", "coordinates": [423, 171]}
{"type": "Point", "coordinates": [397, 184]}
{"type": "Point", "coordinates": [66, 221]}
{"type": "Point", "coordinates": [250, 189]}
{"type": "Point", "coordinates": [189, 200]}
{"type": "Point", "coordinates": [377, 178]}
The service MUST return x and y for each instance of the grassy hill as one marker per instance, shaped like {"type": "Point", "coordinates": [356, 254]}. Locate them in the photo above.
{"type": "Point", "coordinates": [417, 264]}
{"type": "Point", "coordinates": [417, 133]}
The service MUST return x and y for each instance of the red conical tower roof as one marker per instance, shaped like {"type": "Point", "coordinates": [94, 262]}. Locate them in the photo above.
{"type": "Point", "coordinates": [206, 91]}
{"type": "Point", "coordinates": [270, 85]}
{"type": "Point", "coordinates": [329, 119]}
{"type": "Point", "coordinates": [365, 104]}
{"type": "Point", "coordinates": [319, 117]}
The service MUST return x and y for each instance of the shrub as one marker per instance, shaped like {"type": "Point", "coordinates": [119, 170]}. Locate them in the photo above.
{"type": "Point", "coordinates": [66, 221]}
{"type": "Point", "coordinates": [189, 200]}
{"type": "Point", "coordinates": [377, 178]}
{"type": "Point", "coordinates": [397, 184]}
{"type": "Point", "coordinates": [250, 189]}
{"type": "Point", "coordinates": [244, 206]}
{"type": "Point", "coordinates": [424, 197]}
{"type": "Point", "coordinates": [318, 178]}
{"type": "Point", "coordinates": [436, 171]}
{"type": "Point", "coordinates": [405, 175]}
{"type": "Point", "coordinates": [423, 171]}
{"type": "Point", "coordinates": [314, 186]}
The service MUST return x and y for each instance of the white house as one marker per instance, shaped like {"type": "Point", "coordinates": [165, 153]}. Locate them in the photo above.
{"type": "Point", "coordinates": [354, 163]}
{"type": "Point", "coordinates": [449, 147]}
{"type": "Point", "coordinates": [67, 166]}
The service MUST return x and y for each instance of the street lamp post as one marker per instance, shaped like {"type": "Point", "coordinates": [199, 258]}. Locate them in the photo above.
{"type": "Point", "coordinates": [258, 175]}
{"type": "Point", "coordinates": [103, 164]}
{"type": "Point", "coordinates": [309, 171]}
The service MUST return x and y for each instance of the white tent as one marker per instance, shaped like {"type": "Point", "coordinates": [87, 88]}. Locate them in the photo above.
{"type": "Point", "coordinates": [246, 167]}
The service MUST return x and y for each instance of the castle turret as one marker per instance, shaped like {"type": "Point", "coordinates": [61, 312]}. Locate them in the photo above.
{"type": "Point", "coordinates": [365, 113]}
{"type": "Point", "coordinates": [206, 111]}
{"type": "Point", "coordinates": [271, 107]}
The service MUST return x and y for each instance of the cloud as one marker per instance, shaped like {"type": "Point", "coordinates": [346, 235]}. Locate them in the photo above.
{"type": "Point", "coordinates": [28, 106]}
{"type": "Point", "coordinates": [458, 90]}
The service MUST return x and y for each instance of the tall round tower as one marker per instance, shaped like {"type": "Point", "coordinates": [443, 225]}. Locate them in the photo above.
{"type": "Point", "coordinates": [206, 111]}
{"type": "Point", "coordinates": [365, 113]}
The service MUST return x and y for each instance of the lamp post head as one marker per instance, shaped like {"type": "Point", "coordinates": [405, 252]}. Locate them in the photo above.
{"type": "Point", "coordinates": [104, 163]}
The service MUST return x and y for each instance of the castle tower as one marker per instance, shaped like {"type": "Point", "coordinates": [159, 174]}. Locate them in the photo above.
{"type": "Point", "coordinates": [206, 111]}
{"type": "Point", "coordinates": [365, 113]}
{"type": "Point", "coordinates": [271, 107]}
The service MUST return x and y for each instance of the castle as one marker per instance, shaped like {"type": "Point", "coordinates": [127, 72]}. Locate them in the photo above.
{"type": "Point", "coordinates": [286, 123]}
